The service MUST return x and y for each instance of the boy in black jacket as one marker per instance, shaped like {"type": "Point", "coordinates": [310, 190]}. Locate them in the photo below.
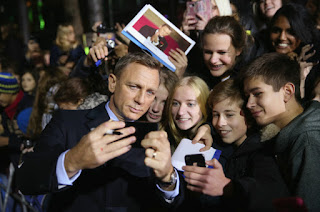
{"type": "Point", "coordinates": [251, 179]}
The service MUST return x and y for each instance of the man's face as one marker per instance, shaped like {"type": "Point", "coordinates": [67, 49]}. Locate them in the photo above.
{"type": "Point", "coordinates": [164, 31]}
{"type": "Point", "coordinates": [6, 99]}
{"type": "Point", "coordinates": [229, 122]}
{"type": "Point", "coordinates": [133, 91]}
{"type": "Point", "coordinates": [265, 104]}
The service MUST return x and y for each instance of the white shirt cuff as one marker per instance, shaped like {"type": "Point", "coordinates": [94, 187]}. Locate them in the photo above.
{"type": "Point", "coordinates": [63, 179]}
{"type": "Point", "coordinates": [170, 195]}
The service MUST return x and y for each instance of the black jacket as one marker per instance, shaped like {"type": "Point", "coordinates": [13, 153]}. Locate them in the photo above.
{"type": "Point", "coordinates": [122, 184]}
{"type": "Point", "coordinates": [256, 177]}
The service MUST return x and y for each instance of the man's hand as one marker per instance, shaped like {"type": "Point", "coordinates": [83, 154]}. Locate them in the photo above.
{"type": "Point", "coordinates": [158, 154]}
{"type": "Point", "coordinates": [98, 51]}
{"type": "Point", "coordinates": [96, 148]}
{"type": "Point", "coordinates": [208, 181]}
{"type": "Point", "coordinates": [203, 136]}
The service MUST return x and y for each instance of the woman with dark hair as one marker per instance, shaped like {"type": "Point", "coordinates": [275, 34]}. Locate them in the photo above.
{"type": "Point", "coordinates": [29, 81]}
{"type": "Point", "coordinates": [292, 31]}
{"type": "Point", "coordinates": [299, 25]}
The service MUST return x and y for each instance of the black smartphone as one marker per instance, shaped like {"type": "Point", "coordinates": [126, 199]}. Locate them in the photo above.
{"type": "Point", "coordinates": [142, 129]}
{"type": "Point", "coordinates": [196, 159]}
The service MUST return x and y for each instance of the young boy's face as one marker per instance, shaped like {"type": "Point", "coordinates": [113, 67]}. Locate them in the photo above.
{"type": "Point", "coordinates": [265, 104]}
{"type": "Point", "coordinates": [229, 122]}
{"type": "Point", "coordinates": [6, 99]}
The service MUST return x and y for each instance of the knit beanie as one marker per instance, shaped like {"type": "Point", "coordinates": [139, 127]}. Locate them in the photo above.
{"type": "Point", "coordinates": [8, 83]}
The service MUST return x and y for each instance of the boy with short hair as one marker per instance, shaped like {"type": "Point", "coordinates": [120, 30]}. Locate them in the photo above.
{"type": "Point", "coordinates": [271, 84]}
{"type": "Point", "coordinates": [251, 179]}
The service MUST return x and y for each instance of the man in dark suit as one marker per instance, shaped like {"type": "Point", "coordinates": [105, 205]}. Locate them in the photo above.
{"type": "Point", "coordinates": [86, 167]}
{"type": "Point", "coordinates": [157, 36]}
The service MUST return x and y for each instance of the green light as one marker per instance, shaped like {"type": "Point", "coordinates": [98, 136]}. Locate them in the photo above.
{"type": "Point", "coordinates": [86, 50]}
{"type": "Point", "coordinates": [42, 23]}
{"type": "Point", "coordinates": [30, 15]}
{"type": "Point", "coordinates": [40, 3]}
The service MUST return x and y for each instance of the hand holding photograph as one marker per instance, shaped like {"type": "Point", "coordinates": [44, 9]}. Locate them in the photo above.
{"type": "Point", "coordinates": [151, 31]}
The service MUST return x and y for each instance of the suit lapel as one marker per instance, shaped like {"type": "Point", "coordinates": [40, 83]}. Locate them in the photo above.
{"type": "Point", "coordinates": [97, 116]}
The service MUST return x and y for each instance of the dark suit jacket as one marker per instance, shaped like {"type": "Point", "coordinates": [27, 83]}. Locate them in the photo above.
{"type": "Point", "coordinates": [147, 31]}
{"type": "Point", "coordinates": [122, 184]}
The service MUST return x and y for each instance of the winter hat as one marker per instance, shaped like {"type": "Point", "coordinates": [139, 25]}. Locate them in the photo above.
{"type": "Point", "coordinates": [8, 83]}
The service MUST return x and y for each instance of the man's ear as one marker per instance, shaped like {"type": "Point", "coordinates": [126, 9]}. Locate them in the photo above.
{"type": "Point", "coordinates": [112, 79]}
{"type": "Point", "coordinates": [289, 91]}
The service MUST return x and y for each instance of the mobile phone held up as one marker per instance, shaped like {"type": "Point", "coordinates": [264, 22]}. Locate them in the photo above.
{"type": "Point", "coordinates": [201, 7]}
{"type": "Point", "coordinates": [196, 159]}
{"type": "Point", "coordinates": [142, 129]}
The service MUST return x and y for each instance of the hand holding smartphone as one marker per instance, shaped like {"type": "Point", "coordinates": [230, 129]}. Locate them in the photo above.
{"type": "Point", "coordinates": [202, 7]}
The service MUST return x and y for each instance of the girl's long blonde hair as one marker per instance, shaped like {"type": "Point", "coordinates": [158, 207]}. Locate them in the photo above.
{"type": "Point", "coordinates": [202, 92]}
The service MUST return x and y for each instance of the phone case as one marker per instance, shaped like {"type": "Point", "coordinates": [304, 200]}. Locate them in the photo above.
{"type": "Point", "coordinates": [197, 159]}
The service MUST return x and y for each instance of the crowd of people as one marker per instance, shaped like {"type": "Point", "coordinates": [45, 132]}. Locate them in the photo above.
{"type": "Point", "coordinates": [249, 87]}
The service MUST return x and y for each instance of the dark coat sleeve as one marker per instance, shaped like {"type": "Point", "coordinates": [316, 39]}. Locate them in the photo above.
{"type": "Point", "coordinates": [37, 174]}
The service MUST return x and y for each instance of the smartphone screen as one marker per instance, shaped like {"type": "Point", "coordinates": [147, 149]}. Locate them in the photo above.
{"type": "Point", "coordinates": [196, 159]}
{"type": "Point", "coordinates": [142, 129]}
{"type": "Point", "coordinates": [191, 8]}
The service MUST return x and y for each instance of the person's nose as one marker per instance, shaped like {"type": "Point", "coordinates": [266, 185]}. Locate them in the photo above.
{"type": "Point", "coordinates": [283, 35]}
{"type": "Point", "coordinates": [182, 109]}
{"type": "Point", "coordinates": [267, 2]}
{"type": "Point", "coordinates": [155, 107]}
{"type": "Point", "coordinates": [214, 57]}
{"type": "Point", "coordinates": [250, 103]}
{"type": "Point", "coordinates": [221, 121]}
{"type": "Point", "coordinates": [140, 97]}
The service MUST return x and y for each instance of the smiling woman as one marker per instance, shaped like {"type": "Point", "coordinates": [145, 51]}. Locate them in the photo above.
{"type": "Point", "coordinates": [223, 41]}
{"type": "Point", "coordinates": [293, 32]}
{"type": "Point", "coordinates": [186, 108]}
{"type": "Point", "coordinates": [291, 28]}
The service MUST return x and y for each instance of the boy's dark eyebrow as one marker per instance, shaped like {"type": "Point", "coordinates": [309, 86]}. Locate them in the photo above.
{"type": "Point", "coordinates": [253, 89]}
{"type": "Point", "coordinates": [225, 111]}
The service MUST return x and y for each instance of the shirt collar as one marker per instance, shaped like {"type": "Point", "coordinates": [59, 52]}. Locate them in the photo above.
{"type": "Point", "coordinates": [112, 115]}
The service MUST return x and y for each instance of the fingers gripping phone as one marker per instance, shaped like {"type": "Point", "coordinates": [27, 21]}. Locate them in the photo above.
{"type": "Point", "coordinates": [196, 159]}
